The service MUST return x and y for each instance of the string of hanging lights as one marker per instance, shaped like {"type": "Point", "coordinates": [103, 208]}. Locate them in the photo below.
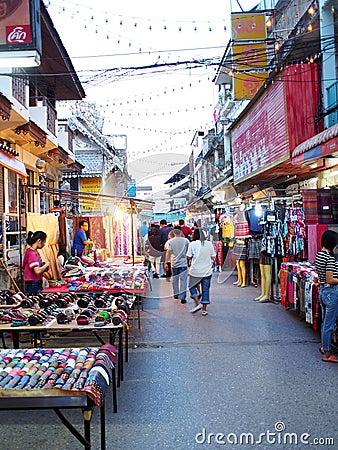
{"type": "Point", "coordinates": [111, 19]}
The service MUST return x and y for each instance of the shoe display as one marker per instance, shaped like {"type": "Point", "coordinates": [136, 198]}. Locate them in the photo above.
{"type": "Point", "coordinates": [183, 301]}
{"type": "Point", "coordinates": [204, 313]}
{"type": "Point", "coordinates": [196, 308]}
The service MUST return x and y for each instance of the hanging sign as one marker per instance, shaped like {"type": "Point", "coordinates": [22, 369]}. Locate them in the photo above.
{"type": "Point", "coordinates": [93, 186]}
{"type": "Point", "coordinates": [20, 28]}
{"type": "Point", "coordinates": [247, 26]}
{"type": "Point", "coordinates": [247, 84]}
{"type": "Point", "coordinates": [13, 164]}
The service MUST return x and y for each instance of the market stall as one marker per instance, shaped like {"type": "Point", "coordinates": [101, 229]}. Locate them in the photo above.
{"type": "Point", "coordinates": [104, 316]}
{"type": "Point", "coordinates": [58, 379]}
{"type": "Point", "coordinates": [113, 224]}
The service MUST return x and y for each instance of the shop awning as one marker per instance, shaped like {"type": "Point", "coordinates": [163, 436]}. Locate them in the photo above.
{"type": "Point", "coordinates": [323, 144]}
{"type": "Point", "coordinates": [13, 164]}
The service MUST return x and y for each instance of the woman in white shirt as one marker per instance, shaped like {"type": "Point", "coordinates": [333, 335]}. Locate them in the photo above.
{"type": "Point", "coordinates": [201, 254]}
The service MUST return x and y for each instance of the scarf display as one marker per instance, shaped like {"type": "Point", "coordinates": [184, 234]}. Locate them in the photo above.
{"type": "Point", "coordinates": [68, 369]}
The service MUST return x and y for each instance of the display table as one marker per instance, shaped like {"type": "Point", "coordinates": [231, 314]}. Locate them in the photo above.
{"type": "Point", "coordinates": [137, 294]}
{"type": "Point", "coordinates": [64, 378]}
{"type": "Point", "coordinates": [113, 330]}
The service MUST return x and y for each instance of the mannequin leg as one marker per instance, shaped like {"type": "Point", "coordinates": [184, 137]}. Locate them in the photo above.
{"type": "Point", "coordinates": [238, 282]}
{"type": "Point", "coordinates": [267, 276]}
{"type": "Point", "coordinates": [239, 273]}
{"type": "Point", "coordinates": [242, 264]}
{"type": "Point", "coordinates": [263, 282]}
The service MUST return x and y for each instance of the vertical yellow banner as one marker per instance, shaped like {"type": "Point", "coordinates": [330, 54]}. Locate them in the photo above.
{"type": "Point", "coordinates": [94, 186]}
{"type": "Point", "coordinates": [250, 56]}
{"type": "Point", "coordinates": [248, 26]}
{"type": "Point", "coordinates": [247, 84]}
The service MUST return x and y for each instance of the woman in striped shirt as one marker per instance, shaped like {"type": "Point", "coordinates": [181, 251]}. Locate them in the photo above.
{"type": "Point", "coordinates": [327, 269]}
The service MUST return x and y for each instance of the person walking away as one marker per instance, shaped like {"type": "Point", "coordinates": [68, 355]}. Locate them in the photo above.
{"type": "Point", "coordinates": [187, 231]}
{"type": "Point", "coordinates": [177, 248]}
{"type": "Point", "coordinates": [57, 210]}
{"type": "Point", "coordinates": [201, 254]}
{"type": "Point", "coordinates": [163, 233]}
{"type": "Point", "coordinates": [33, 267]}
{"type": "Point", "coordinates": [80, 239]}
{"type": "Point", "coordinates": [327, 268]}
{"type": "Point", "coordinates": [153, 250]}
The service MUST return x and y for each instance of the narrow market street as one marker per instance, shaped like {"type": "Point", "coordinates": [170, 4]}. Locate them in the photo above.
{"type": "Point", "coordinates": [244, 368]}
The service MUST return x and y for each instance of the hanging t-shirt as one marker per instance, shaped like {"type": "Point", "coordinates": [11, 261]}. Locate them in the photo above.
{"type": "Point", "coordinates": [254, 220]}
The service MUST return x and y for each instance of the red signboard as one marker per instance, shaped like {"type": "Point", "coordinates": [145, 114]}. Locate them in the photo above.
{"type": "Point", "coordinates": [14, 15]}
{"type": "Point", "coordinates": [18, 34]}
{"type": "Point", "coordinates": [260, 141]}
{"type": "Point", "coordinates": [18, 30]}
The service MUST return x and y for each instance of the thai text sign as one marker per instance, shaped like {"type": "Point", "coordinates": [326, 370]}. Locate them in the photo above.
{"type": "Point", "coordinates": [247, 84]}
{"type": "Point", "coordinates": [248, 26]}
{"type": "Point", "coordinates": [93, 186]}
{"type": "Point", "coordinates": [250, 56]}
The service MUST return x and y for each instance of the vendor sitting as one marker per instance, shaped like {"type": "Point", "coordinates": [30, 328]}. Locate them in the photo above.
{"type": "Point", "coordinates": [81, 239]}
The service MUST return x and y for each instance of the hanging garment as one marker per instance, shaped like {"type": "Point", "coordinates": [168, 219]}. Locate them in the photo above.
{"type": "Point", "coordinates": [228, 230]}
{"type": "Point", "coordinates": [240, 251]}
{"type": "Point", "coordinates": [308, 302]}
{"type": "Point", "coordinates": [324, 206]}
{"type": "Point", "coordinates": [254, 220]}
{"type": "Point", "coordinates": [255, 246]}
{"type": "Point", "coordinates": [316, 308]}
{"type": "Point", "coordinates": [310, 205]}
{"type": "Point", "coordinates": [312, 246]}
{"type": "Point", "coordinates": [283, 279]}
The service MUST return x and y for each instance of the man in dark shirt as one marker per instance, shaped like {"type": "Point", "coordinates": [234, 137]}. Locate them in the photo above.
{"type": "Point", "coordinates": [163, 233]}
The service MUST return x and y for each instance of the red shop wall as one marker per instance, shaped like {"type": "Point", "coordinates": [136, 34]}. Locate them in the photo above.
{"type": "Point", "coordinates": [302, 93]}
{"type": "Point", "coordinates": [259, 141]}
